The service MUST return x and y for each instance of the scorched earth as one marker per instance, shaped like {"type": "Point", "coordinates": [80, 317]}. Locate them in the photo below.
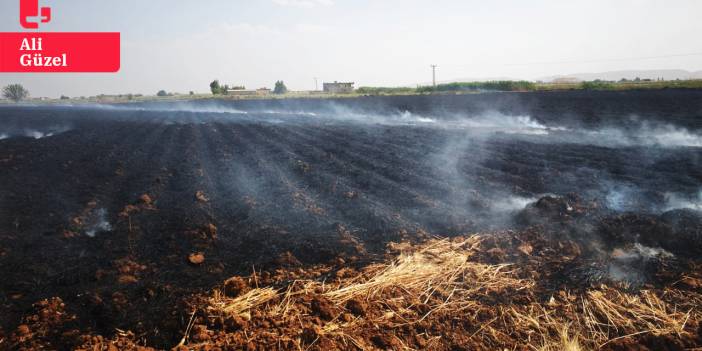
{"type": "Point", "coordinates": [481, 221]}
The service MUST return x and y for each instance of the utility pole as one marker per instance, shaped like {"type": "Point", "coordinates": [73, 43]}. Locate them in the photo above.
{"type": "Point", "coordinates": [433, 75]}
{"type": "Point", "coordinates": [316, 87]}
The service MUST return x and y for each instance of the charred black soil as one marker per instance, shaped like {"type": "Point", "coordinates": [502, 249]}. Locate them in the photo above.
{"type": "Point", "coordinates": [117, 220]}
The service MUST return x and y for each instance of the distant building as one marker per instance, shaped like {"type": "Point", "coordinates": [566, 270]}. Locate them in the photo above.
{"type": "Point", "coordinates": [240, 92]}
{"type": "Point", "coordinates": [245, 92]}
{"type": "Point", "coordinates": [338, 88]}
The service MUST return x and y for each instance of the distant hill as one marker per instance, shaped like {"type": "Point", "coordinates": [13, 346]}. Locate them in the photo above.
{"type": "Point", "coordinates": [667, 74]}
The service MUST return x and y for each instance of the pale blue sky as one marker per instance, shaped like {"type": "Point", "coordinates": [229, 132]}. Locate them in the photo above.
{"type": "Point", "coordinates": [180, 45]}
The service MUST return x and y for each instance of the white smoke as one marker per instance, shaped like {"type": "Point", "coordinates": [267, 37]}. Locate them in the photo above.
{"type": "Point", "coordinates": [412, 118]}
{"type": "Point", "coordinates": [669, 136]}
{"type": "Point", "coordinates": [627, 265]}
{"type": "Point", "coordinates": [644, 134]}
{"type": "Point", "coordinates": [49, 132]}
{"type": "Point", "coordinates": [174, 107]}
{"type": "Point", "coordinates": [283, 112]}
{"type": "Point", "coordinates": [345, 114]}
{"type": "Point", "coordinates": [622, 198]}
{"type": "Point", "coordinates": [37, 134]}
{"type": "Point", "coordinates": [96, 222]}
{"type": "Point", "coordinates": [511, 203]}
{"type": "Point", "coordinates": [498, 123]}
{"type": "Point", "coordinates": [486, 123]}
{"type": "Point", "coordinates": [638, 252]}
{"type": "Point", "coordinates": [33, 133]}
{"type": "Point", "coordinates": [675, 201]}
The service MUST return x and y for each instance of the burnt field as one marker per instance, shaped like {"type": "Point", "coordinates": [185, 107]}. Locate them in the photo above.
{"type": "Point", "coordinates": [117, 221]}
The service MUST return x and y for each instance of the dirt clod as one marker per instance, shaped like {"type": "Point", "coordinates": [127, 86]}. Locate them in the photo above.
{"type": "Point", "coordinates": [357, 307]}
{"type": "Point", "coordinates": [323, 308]}
{"type": "Point", "coordinates": [23, 330]}
{"type": "Point", "coordinates": [235, 286]}
{"type": "Point", "coordinates": [387, 342]}
{"type": "Point", "coordinates": [201, 197]}
{"type": "Point", "coordinates": [310, 335]}
{"type": "Point", "coordinates": [145, 199]}
{"type": "Point", "coordinates": [125, 279]}
{"type": "Point", "coordinates": [287, 259]}
{"type": "Point", "coordinates": [196, 258]}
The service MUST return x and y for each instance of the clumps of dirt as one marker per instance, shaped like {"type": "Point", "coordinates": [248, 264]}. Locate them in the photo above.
{"type": "Point", "coordinates": [554, 209]}
{"type": "Point", "coordinates": [123, 341]}
{"type": "Point", "coordinates": [324, 308]}
{"type": "Point", "coordinates": [201, 197]}
{"type": "Point", "coordinates": [387, 342]}
{"type": "Point", "coordinates": [287, 259]}
{"type": "Point", "coordinates": [50, 326]}
{"type": "Point", "coordinates": [350, 241]}
{"type": "Point", "coordinates": [196, 258]}
{"type": "Point", "coordinates": [126, 271]}
{"type": "Point", "coordinates": [204, 237]}
{"type": "Point", "coordinates": [201, 240]}
{"type": "Point", "coordinates": [357, 306]}
{"type": "Point", "coordinates": [236, 286]}
{"type": "Point", "coordinates": [507, 290]}
{"type": "Point", "coordinates": [128, 210]}
{"type": "Point", "coordinates": [145, 202]}
{"type": "Point", "coordinates": [211, 231]}
{"type": "Point", "coordinates": [307, 203]}
{"type": "Point", "coordinates": [441, 295]}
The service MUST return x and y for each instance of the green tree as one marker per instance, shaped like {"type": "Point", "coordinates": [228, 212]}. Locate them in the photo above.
{"type": "Point", "coordinates": [15, 92]}
{"type": "Point", "coordinates": [280, 88]}
{"type": "Point", "coordinates": [215, 88]}
{"type": "Point", "coordinates": [162, 93]}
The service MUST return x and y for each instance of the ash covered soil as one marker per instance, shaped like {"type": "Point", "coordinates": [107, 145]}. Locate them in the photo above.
{"type": "Point", "coordinates": [119, 224]}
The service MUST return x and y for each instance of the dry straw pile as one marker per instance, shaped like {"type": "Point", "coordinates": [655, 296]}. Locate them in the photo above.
{"type": "Point", "coordinates": [441, 279]}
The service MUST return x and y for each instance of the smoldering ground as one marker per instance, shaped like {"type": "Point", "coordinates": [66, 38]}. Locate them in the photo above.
{"type": "Point", "coordinates": [132, 191]}
{"type": "Point", "coordinates": [475, 166]}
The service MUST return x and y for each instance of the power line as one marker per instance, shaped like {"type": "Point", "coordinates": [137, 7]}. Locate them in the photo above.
{"type": "Point", "coordinates": [595, 60]}
{"type": "Point", "coordinates": [433, 75]}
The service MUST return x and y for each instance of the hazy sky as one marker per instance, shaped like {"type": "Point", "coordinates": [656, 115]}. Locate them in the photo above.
{"type": "Point", "coordinates": [182, 45]}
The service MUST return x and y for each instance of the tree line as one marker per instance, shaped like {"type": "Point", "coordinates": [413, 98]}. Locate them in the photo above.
{"type": "Point", "coordinates": [218, 89]}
